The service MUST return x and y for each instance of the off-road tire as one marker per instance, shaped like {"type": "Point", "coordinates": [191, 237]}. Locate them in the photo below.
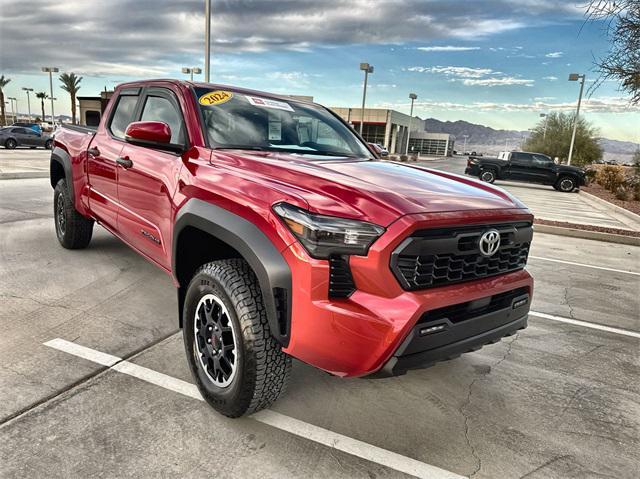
{"type": "Point", "coordinates": [566, 184]}
{"type": "Point", "coordinates": [262, 367]}
{"type": "Point", "coordinates": [488, 175]}
{"type": "Point", "coordinates": [75, 231]}
{"type": "Point", "coordinates": [10, 144]}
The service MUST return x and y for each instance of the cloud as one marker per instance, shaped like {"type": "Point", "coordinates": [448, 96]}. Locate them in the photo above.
{"type": "Point", "coordinates": [606, 104]}
{"type": "Point", "coordinates": [447, 48]}
{"type": "Point", "coordinates": [550, 78]}
{"type": "Point", "coordinates": [554, 54]}
{"type": "Point", "coordinates": [99, 37]}
{"type": "Point", "coordinates": [474, 76]}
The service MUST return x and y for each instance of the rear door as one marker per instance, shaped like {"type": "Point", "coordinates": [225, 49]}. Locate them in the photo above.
{"type": "Point", "coordinates": [102, 155]}
{"type": "Point", "coordinates": [146, 188]}
{"type": "Point", "coordinates": [23, 136]}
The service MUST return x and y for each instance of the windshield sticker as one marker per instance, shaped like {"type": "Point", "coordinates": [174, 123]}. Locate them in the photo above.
{"type": "Point", "coordinates": [215, 97]}
{"type": "Point", "coordinates": [275, 130]}
{"type": "Point", "coordinates": [268, 103]}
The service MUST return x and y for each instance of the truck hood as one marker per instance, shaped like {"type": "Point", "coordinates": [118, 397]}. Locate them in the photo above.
{"type": "Point", "coordinates": [375, 191]}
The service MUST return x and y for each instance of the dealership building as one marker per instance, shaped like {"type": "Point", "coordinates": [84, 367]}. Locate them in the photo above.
{"type": "Point", "coordinates": [390, 128]}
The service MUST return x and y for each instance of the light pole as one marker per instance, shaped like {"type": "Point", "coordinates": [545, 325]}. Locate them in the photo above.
{"type": "Point", "coordinates": [413, 97]}
{"type": "Point", "coordinates": [544, 131]}
{"type": "Point", "coordinates": [207, 40]}
{"type": "Point", "coordinates": [464, 148]}
{"type": "Point", "coordinates": [192, 70]}
{"type": "Point", "coordinates": [28, 100]}
{"type": "Point", "coordinates": [14, 111]}
{"type": "Point", "coordinates": [575, 77]}
{"type": "Point", "coordinates": [366, 68]}
{"type": "Point", "coordinates": [51, 70]}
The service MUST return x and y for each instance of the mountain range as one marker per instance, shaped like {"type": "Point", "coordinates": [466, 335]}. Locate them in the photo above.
{"type": "Point", "coordinates": [488, 140]}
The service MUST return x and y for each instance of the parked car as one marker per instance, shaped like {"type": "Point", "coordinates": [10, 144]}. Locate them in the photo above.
{"type": "Point", "coordinates": [286, 238]}
{"type": "Point", "coordinates": [34, 126]}
{"type": "Point", "coordinates": [526, 167]}
{"type": "Point", "coordinates": [380, 150]}
{"type": "Point", "coordinates": [14, 136]}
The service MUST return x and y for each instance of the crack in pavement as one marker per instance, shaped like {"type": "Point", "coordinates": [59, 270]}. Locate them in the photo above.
{"type": "Point", "coordinates": [548, 463]}
{"type": "Point", "coordinates": [566, 301]}
{"type": "Point", "coordinates": [467, 402]}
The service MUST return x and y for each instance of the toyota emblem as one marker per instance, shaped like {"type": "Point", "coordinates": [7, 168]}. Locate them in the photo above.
{"type": "Point", "coordinates": [489, 243]}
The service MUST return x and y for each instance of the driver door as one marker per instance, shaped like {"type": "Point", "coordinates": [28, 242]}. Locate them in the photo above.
{"type": "Point", "coordinates": [147, 186]}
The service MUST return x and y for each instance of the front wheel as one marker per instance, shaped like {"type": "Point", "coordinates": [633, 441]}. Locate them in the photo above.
{"type": "Point", "coordinates": [48, 144]}
{"type": "Point", "coordinates": [488, 176]}
{"type": "Point", "coordinates": [566, 184]}
{"type": "Point", "coordinates": [238, 366]}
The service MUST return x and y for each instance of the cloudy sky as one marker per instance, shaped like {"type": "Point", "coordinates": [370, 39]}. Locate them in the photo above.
{"type": "Point", "coordinates": [496, 62]}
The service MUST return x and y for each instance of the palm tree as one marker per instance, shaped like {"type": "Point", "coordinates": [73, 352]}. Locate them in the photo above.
{"type": "Point", "coordinates": [43, 96]}
{"type": "Point", "coordinates": [3, 83]}
{"type": "Point", "coordinates": [71, 84]}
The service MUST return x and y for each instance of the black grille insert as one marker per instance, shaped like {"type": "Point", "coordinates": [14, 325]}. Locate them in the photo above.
{"type": "Point", "coordinates": [441, 256]}
{"type": "Point", "coordinates": [341, 283]}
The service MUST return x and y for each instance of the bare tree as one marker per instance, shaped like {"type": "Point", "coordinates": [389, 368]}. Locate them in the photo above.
{"type": "Point", "coordinates": [622, 62]}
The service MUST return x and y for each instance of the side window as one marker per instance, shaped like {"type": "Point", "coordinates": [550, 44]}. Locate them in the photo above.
{"type": "Point", "coordinates": [158, 108]}
{"type": "Point", "coordinates": [522, 159]}
{"type": "Point", "coordinates": [123, 115]}
{"type": "Point", "coordinates": [19, 131]}
{"type": "Point", "coordinates": [541, 160]}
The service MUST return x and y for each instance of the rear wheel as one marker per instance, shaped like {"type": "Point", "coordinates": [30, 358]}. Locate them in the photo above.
{"type": "Point", "coordinates": [488, 175]}
{"type": "Point", "coordinates": [48, 144]}
{"type": "Point", "coordinates": [238, 366]}
{"type": "Point", "coordinates": [566, 184]}
{"type": "Point", "coordinates": [73, 230]}
{"type": "Point", "coordinates": [10, 144]}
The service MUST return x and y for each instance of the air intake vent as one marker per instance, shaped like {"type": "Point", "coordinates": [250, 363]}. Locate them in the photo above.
{"type": "Point", "coordinates": [341, 283]}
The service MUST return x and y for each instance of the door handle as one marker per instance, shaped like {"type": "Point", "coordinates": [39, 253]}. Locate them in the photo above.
{"type": "Point", "coordinates": [125, 162]}
{"type": "Point", "coordinates": [94, 151]}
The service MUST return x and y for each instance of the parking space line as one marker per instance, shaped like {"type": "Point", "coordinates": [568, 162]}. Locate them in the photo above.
{"type": "Point", "coordinates": [285, 423]}
{"type": "Point", "coordinates": [586, 324]}
{"type": "Point", "coordinates": [585, 265]}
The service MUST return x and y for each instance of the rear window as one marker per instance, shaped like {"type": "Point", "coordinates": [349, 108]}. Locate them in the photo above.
{"type": "Point", "coordinates": [123, 114]}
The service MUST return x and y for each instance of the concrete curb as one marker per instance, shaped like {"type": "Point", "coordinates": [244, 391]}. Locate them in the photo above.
{"type": "Point", "coordinates": [624, 212]}
{"type": "Point", "coordinates": [23, 175]}
{"type": "Point", "coordinates": [592, 235]}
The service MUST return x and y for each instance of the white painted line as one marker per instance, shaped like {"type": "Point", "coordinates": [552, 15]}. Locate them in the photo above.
{"type": "Point", "coordinates": [585, 265]}
{"type": "Point", "coordinates": [299, 428]}
{"type": "Point", "coordinates": [351, 446]}
{"type": "Point", "coordinates": [83, 352]}
{"type": "Point", "coordinates": [586, 324]}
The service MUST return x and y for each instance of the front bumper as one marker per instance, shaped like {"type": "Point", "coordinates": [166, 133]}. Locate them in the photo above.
{"type": "Point", "coordinates": [359, 335]}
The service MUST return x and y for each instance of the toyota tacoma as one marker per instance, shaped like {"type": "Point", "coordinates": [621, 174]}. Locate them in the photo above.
{"type": "Point", "coordinates": [286, 237]}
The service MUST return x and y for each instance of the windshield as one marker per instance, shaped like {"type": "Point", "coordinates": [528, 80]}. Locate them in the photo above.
{"type": "Point", "coordinates": [234, 120]}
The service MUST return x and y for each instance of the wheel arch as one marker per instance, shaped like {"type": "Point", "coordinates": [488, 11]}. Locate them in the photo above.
{"type": "Point", "coordinates": [204, 232]}
{"type": "Point", "coordinates": [59, 168]}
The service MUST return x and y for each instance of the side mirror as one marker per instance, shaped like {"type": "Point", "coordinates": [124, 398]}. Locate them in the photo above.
{"type": "Point", "coordinates": [148, 133]}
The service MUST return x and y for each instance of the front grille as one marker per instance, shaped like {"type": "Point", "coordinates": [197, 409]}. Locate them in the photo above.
{"type": "Point", "coordinates": [439, 257]}
{"type": "Point", "coordinates": [341, 283]}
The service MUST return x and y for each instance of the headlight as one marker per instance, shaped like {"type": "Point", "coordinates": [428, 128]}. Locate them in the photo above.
{"type": "Point", "coordinates": [323, 236]}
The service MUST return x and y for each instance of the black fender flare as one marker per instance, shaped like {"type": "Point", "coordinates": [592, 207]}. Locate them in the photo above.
{"type": "Point", "coordinates": [269, 266]}
{"type": "Point", "coordinates": [58, 155]}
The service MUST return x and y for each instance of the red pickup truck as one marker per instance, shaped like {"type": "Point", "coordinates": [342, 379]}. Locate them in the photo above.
{"type": "Point", "coordinates": [287, 237]}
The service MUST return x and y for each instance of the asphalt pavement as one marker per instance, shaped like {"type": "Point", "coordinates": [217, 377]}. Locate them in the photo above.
{"type": "Point", "coordinates": [559, 399]}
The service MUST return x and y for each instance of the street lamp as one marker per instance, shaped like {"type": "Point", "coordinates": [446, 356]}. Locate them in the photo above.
{"type": "Point", "coordinates": [544, 132]}
{"type": "Point", "coordinates": [51, 70]}
{"type": "Point", "coordinates": [28, 100]}
{"type": "Point", "coordinates": [207, 41]}
{"type": "Point", "coordinates": [192, 70]}
{"type": "Point", "coordinates": [413, 97]}
{"type": "Point", "coordinates": [14, 111]}
{"type": "Point", "coordinates": [575, 77]}
{"type": "Point", "coordinates": [366, 68]}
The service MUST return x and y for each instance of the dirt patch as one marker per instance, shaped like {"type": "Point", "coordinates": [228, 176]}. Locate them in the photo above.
{"type": "Point", "coordinates": [597, 190]}
{"type": "Point", "coordinates": [599, 229]}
